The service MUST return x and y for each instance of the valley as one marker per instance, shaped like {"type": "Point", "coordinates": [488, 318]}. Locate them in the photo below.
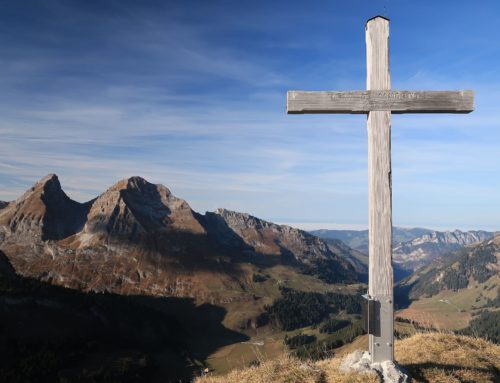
{"type": "Point", "coordinates": [138, 240]}
{"type": "Point", "coordinates": [225, 289]}
{"type": "Point", "coordinates": [453, 290]}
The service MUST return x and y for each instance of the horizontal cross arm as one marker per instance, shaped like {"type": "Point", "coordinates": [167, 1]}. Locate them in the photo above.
{"type": "Point", "coordinates": [396, 101]}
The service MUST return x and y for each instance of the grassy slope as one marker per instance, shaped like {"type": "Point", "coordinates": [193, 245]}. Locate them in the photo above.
{"type": "Point", "coordinates": [239, 311]}
{"type": "Point", "coordinates": [450, 291]}
{"type": "Point", "coordinates": [430, 357]}
{"type": "Point", "coordinates": [265, 342]}
{"type": "Point", "coordinates": [451, 310]}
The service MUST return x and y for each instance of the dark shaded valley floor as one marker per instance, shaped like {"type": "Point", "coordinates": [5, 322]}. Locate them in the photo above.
{"type": "Point", "coordinates": [54, 334]}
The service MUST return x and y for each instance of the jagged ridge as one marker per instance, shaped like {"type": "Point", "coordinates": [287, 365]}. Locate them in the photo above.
{"type": "Point", "coordinates": [422, 250]}
{"type": "Point", "coordinates": [289, 243]}
{"type": "Point", "coordinates": [138, 237]}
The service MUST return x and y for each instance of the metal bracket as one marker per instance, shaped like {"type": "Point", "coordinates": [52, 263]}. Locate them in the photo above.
{"type": "Point", "coordinates": [381, 339]}
{"type": "Point", "coordinates": [368, 312]}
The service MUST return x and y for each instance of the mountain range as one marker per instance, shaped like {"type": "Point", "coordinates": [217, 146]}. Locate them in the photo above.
{"type": "Point", "coordinates": [459, 289]}
{"type": "Point", "coordinates": [358, 239]}
{"type": "Point", "coordinates": [138, 260]}
{"type": "Point", "coordinates": [202, 281]}
{"type": "Point", "coordinates": [461, 269]}
{"type": "Point", "coordinates": [412, 248]}
{"type": "Point", "coordinates": [138, 238]}
{"type": "Point", "coordinates": [420, 251]}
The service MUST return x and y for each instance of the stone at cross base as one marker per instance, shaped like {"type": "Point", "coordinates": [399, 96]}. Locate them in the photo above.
{"type": "Point", "coordinates": [388, 371]}
{"type": "Point", "coordinates": [379, 102]}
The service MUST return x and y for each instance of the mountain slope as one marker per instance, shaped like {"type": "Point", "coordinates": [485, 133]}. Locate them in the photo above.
{"type": "Point", "coordinates": [358, 239]}
{"type": "Point", "coordinates": [358, 259]}
{"type": "Point", "coordinates": [412, 248]}
{"type": "Point", "coordinates": [472, 265]}
{"type": "Point", "coordinates": [138, 238]}
{"type": "Point", "coordinates": [50, 333]}
{"type": "Point", "coordinates": [290, 244]}
{"type": "Point", "coordinates": [450, 291]}
{"type": "Point", "coordinates": [134, 209]}
{"type": "Point", "coordinates": [430, 357]}
{"type": "Point", "coordinates": [44, 212]}
{"type": "Point", "coordinates": [134, 238]}
{"type": "Point", "coordinates": [422, 250]}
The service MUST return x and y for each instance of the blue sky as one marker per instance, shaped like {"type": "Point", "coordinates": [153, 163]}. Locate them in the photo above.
{"type": "Point", "coordinates": [191, 94]}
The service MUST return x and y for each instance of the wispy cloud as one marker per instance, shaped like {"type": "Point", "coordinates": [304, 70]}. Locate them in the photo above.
{"type": "Point", "coordinates": [194, 98]}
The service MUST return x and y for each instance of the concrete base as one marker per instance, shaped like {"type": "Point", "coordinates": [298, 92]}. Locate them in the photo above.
{"type": "Point", "coordinates": [360, 362]}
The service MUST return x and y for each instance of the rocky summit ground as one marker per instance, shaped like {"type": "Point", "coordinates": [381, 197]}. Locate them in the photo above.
{"type": "Point", "coordinates": [428, 357]}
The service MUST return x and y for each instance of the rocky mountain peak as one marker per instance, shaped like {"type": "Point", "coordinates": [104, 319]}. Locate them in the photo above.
{"type": "Point", "coordinates": [138, 183]}
{"type": "Point", "coordinates": [48, 185]}
{"type": "Point", "coordinates": [135, 208]}
{"type": "Point", "coordinates": [44, 211]}
{"type": "Point", "coordinates": [288, 243]}
{"type": "Point", "coordinates": [135, 183]}
{"type": "Point", "coordinates": [50, 182]}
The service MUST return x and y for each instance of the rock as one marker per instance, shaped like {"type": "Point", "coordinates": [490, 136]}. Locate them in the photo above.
{"type": "Point", "coordinates": [393, 373]}
{"type": "Point", "coordinates": [360, 362]}
{"type": "Point", "coordinates": [357, 361]}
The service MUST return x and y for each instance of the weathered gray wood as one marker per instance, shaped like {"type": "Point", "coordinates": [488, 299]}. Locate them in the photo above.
{"type": "Point", "coordinates": [379, 202]}
{"type": "Point", "coordinates": [380, 273]}
{"type": "Point", "coordinates": [379, 159]}
{"type": "Point", "coordinates": [359, 102]}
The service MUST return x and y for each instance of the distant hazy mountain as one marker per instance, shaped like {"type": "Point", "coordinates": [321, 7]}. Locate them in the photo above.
{"type": "Point", "coordinates": [462, 269]}
{"type": "Point", "coordinates": [3, 204]}
{"type": "Point", "coordinates": [412, 248]}
{"type": "Point", "coordinates": [420, 251]}
{"type": "Point", "coordinates": [358, 239]}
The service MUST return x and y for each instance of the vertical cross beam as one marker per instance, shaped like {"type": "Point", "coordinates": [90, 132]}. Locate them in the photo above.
{"type": "Point", "coordinates": [380, 281]}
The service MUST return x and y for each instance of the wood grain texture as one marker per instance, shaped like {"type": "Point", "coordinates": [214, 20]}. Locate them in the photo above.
{"type": "Point", "coordinates": [377, 54]}
{"type": "Point", "coordinates": [379, 162]}
{"type": "Point", "coordinates": [359, 102]}
{"type": "Point", "coordinates": [380, 273]}
{"type": "Point", "coordinates": [380, 204]}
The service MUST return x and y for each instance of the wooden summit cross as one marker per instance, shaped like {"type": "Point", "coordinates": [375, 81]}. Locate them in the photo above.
{"type": "Point", "coordinates": [378, 101]}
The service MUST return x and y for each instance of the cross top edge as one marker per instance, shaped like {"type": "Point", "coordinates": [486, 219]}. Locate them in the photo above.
{"type": "Point", "coordinates": [377, 17]}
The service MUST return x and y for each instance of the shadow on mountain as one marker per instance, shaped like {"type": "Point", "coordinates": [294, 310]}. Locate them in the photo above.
{"type": "Point", "coordinates": [400, 273]}
{"type": "Point", "coordinates": [223, 239]}
{"type": "Point", "coordinates": [63, 216]}
{"type": "Point", "coordinates": [169, 249]}
{"type": "Point", "coordinates": [402, 298]}
{"type": "Point", "coordinates": [221, 236]}
{"type": "Point", "coordinates": [6, 268]}
{"type": "Point", "coordinates": [53, 334]}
